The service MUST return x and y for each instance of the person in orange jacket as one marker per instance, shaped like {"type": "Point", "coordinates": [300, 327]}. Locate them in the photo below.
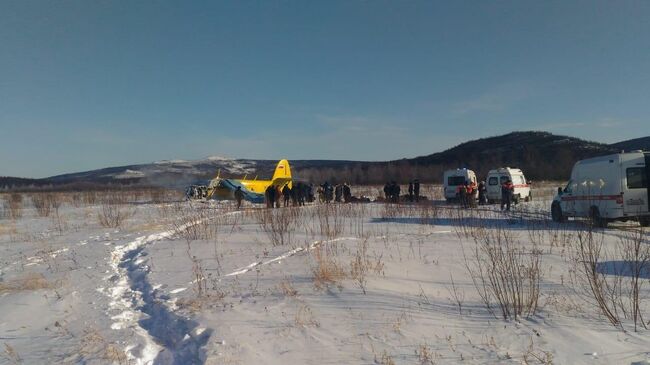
{"type": "Point", "coordinates": [471, 193]}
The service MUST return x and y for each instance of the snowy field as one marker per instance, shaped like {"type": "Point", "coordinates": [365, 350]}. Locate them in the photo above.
{"type": "Point", "coordinates": [124, 280]}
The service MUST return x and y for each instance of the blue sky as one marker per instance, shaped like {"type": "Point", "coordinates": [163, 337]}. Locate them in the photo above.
{"type": "Point", "coordinates": [90, 84]}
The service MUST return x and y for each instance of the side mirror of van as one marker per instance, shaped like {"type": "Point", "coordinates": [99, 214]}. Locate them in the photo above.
{"type": "Point", "coordinates": [560, 191]}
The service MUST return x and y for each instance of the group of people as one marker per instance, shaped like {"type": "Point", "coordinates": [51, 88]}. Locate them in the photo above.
{"type": "Point", "coordinates": [296, 195]}
{"type": "Point", "coordinates": [339, 193]}
{"type": "Point", "coordinates": [469, 194]}
{"type": "Point", "coordinates": [392, 191]}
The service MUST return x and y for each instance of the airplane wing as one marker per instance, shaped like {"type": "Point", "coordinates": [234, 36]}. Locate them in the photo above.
{"type": "Point", "coordinates": [248, 195]}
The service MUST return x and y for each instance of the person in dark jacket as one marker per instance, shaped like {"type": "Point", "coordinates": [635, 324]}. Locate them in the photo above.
{"type": "Point", "coordinates": [338, 193]}
{"type": "Point", "coordinates": [461, 194]}
{"type": "Point", "coordinates": [387, 192]}
{"type": "Point", "coordinates": [482, 193]}
{"type": "Point", "coordinates": [347, 193]}
{"type": "Point", "coordinates": [416, 189]}
{"type": "Point", "coordinates": [396, 191]}
{"type": "Point", "coordinates": [286, 194]}
{"type": "Point", "coordinates": [239, 195]}
{"type": "Point", "coordinates": [270, 196]}
{"type": "Point", "coordinates": [411, 190]}
{"type": "Point", "coordinates": [507, 190]}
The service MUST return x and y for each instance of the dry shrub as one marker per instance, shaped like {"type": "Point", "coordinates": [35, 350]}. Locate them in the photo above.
{"type": "Point", "coordinates": [194, 223]}
{"type": "Point", "coordinates": [327, 270]}
{"type": "Point", "coordinates": [424, 354]}
{"type": "Point", "coordinates": [41, 204]}
{"type": "Point", "coordinates": [279, 224]}
{"type": "Point", "coordinates": [29, 281]}
{"type": "Point", "coordinates": [287, 288]}
{"type": "Point", "coordinates": [11, 354]}
{"type": "Point", "coordinates": [113, 210]}
{"type": "Point", "coordinates": [636, 256]}
{"type": "Point", "coordinates": [14, 205]}
{"type": "Point", "coordinates": [193, 305]}
{"type": "Point", "coordinates": [305, 317]}
{"type": "Point", "coordinates": [95, 346]}
{"type": "Point", "coordinates": [384, 359]}
{"type": "Point", "coordinates": [505, 273]}
{"type": "Point", "coordinates": [330, 219]}
{"type": "Point", "coordinates": [535, 356]}
{"type": "Point", "coordinates": [362, 263]}
{"type": "Point", "coordinates": [613, 281]}
{"type": "Point", "coordinates": [588, 256]}
{"type": "Point", "coordinates": [89, 197]}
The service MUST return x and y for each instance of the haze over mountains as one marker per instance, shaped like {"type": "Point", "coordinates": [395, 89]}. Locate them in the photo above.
{"type": "Point", "coordinates": [542, 156]}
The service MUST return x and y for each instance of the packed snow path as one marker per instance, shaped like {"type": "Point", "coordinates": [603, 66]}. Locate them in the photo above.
{"type": "Point", "coordinates": [167, 337]}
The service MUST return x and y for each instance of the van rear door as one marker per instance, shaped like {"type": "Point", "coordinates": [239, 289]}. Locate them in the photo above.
{"type": "Point", "coordinates": [636, 186]}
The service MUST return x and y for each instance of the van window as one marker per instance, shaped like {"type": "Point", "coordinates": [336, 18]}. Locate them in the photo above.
{"type": "Point", "coordinates": [493, 181]}
{"type": "Point", "coordinates": [504, 179]}
{"type": "Point", "coordinates": [636, 178]}
{"type": "Point", "coordinates": [517, 180]}
{"type": "Point", "coordinates": [455, 180]}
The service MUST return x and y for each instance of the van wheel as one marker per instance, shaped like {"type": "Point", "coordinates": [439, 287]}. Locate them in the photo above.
{"type": "Point", "coordinates": [556, 213]}
{"type": "Point", "coordinates": [596, 219]}
{"type": "Point", "coordinates": [644, 221]}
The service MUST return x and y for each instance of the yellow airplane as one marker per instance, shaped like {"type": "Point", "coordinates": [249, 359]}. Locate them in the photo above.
{"type": "Point", "coordinates": [253, 190]}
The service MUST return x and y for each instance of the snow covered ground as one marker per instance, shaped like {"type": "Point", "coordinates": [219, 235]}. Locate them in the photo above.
{"type": "Point", "coordinates": [195, 282]}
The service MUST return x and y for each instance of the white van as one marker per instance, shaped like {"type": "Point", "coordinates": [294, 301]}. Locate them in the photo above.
{"type": "Point", "coordinates": [606, 189]}
{"type": "Point", "coordinates": [499, 176]}
{"type": "Point", "coordinates": [453, 178]}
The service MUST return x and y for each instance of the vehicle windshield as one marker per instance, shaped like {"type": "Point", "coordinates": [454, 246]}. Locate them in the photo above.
{"type": "Point", "coordinates": [455, 180]}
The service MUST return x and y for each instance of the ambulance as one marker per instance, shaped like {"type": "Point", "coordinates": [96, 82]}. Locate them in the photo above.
{"type": "Point", "coordinates": [605, 189]}
{"type": "Point", "coordinates": [453, 178]}
{"type": "Point", "coordinates": [497, 177]}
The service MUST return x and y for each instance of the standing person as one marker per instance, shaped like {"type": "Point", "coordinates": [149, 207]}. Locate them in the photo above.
{"type": "Point", "coordinates": [286, 193]}
{"type": "Point", "coordinates": [347, 193]}
{"type": "Point", "coordinates": [411, 191]}
{"type": "Point", "coordinates": [507, 189]}
{"type": "Point", "coordinates": [387, 192]}
{"type": "Point", "coordinates": [303, 193]}
{"type": "Point", "coordinates": [296, 190]}
{"type": "Point", "coordinates": [471, 194]}
{"type": "Point", "coordinates": [461, 192]}
{"type": "Point", "coordinates": [278, 195]}
{"type": "Point", "coordinates": [270, 196]}
{"type": "Point", "coordinates": [309, 193]}
{"type": "Point", "coordinates": [338, 192]}
{"type": "Point", "coordinates": [482, 193]}
{"type": "Point", "coordinates": [416, 189]}
{"type": "Point", "coordinates": [396, 192]}
{"type": "Point", "coordinates": [239, 195]}
{"type": "Point", "coordinates": [329, 193]}
{"type": "Point", "coordinates": [327, 188]}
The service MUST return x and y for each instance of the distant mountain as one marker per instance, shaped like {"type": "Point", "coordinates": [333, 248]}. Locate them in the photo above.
{"type": "Point", "coordinates": [542, 156]}
{"type": "Point", "coordinates": [642, 143]}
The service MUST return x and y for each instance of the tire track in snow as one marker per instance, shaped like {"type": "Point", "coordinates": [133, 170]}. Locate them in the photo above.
{"type": "Point", "coordinates": [167, 338]}
{"type": "Point", "coordinates": [312, 246]}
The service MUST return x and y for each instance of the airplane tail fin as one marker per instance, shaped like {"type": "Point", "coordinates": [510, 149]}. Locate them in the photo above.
{"type": "Point", "coordinates": [282, 172]}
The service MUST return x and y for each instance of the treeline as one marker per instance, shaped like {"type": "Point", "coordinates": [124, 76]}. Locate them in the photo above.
{"type": "Point", "coordinates": [536, 162]}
